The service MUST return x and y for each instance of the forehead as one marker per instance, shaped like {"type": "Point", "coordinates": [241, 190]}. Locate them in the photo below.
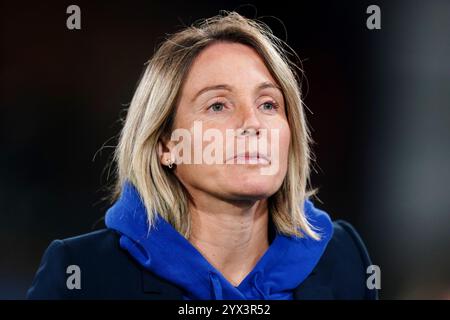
{"type": "Point", "coordinates": [223, 62]}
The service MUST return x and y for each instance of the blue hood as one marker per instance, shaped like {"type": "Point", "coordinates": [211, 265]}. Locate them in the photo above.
{"type": "Point", "coordinates": [166, 253]}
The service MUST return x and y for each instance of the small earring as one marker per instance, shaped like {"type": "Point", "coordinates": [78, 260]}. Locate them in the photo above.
{"type": "Point", "coordinates": [170, 163]}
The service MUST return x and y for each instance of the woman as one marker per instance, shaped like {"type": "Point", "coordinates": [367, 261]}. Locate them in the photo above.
{"type": "Point", "coordinates": [211, 200]}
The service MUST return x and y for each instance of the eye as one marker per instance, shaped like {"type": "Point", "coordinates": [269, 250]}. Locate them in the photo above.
{"type": "Point", "coordinates": [269, 106]}
{"type": "Point", "coordinates": [216, 107]}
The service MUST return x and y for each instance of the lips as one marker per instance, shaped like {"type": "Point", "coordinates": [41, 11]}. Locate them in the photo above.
{"type": "Point", "coordinates": [249, 158]}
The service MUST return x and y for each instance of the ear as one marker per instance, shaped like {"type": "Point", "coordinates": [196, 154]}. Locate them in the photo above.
{"type": "Point", "coordinates": [165, 147]}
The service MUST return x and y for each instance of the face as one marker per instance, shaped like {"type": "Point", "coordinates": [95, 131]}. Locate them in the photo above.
{"type": "Point", "coordinates": [228, 90]}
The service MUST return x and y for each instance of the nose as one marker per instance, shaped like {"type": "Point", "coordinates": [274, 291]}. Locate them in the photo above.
{"type": "Point", "coordinates": [249, 121]}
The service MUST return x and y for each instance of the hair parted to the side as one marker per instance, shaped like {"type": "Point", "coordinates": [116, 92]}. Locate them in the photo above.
{"type": "Point", "coordinates": [150, 116]}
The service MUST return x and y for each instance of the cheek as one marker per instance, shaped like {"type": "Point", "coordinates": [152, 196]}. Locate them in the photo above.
{"type": "Point", "coordinates": [285, 141]}
{"type": "Point", "coordinates": [281, 140]}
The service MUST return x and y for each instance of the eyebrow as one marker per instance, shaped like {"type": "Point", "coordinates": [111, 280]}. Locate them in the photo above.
{"type": "Point", "coordinates": [261, 86]}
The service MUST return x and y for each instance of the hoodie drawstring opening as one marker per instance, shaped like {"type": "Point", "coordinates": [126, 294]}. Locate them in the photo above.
{"type": "Point", "coordinates": [217, 287]}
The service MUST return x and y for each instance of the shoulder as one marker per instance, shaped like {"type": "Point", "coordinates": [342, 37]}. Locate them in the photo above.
{"type": "Point", "coordinates": [88, 243]}
{"type": "Point", "coordinates": [102, 243]}
{"type": "Point", "coordinates": [98, 259]}
{"type": "Point", "coordinates": [343, 265]}
{"type": "Point", "coordinates": [347, 239]}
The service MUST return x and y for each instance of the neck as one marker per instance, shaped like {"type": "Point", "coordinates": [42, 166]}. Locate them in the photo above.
{"type": "Point", "coordinates": [231, 236]}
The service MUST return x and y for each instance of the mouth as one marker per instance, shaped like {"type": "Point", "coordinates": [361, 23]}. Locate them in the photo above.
{"type": "Point", "coordinates": [249, 158]}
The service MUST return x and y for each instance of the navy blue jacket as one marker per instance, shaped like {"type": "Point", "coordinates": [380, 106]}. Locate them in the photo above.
{"type": "Point", "coordinates": [109, 272]}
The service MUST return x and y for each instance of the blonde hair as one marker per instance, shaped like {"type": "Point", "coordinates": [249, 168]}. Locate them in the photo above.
{"type": "Point", "coordinates": [150, 117]}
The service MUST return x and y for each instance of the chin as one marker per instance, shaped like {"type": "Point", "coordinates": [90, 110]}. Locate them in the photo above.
{"type": "Point", "coordinates": [253, 186]}
{"type": "Point", "coordinates": [253, 195]}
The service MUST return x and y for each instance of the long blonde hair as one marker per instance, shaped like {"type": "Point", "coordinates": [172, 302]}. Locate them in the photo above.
{"type": "Point", "coordinates": [150, 116]}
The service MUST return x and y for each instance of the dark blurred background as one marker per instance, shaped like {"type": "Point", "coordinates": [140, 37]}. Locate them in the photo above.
{"type": "Point", "coordinates": [380, 115]}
